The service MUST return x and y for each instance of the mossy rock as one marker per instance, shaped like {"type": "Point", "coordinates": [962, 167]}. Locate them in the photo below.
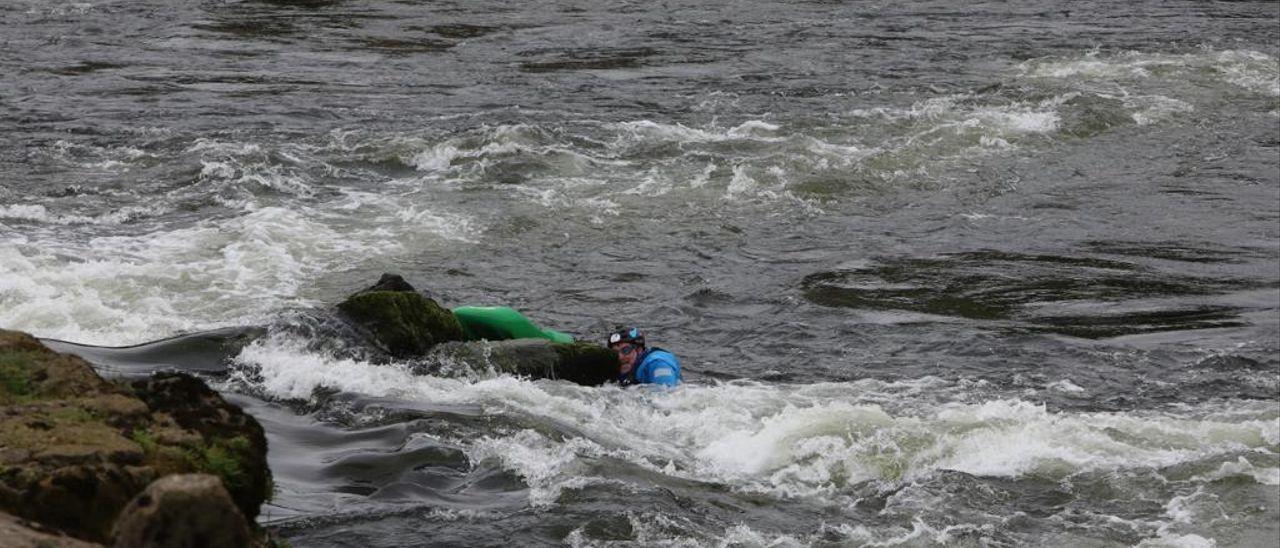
{"type": "Point", "coordinates": [29, 371]}
{"type": "Point", "coordinates": [404, 323]}
{"type": "Point", "coordinates": [76, 448]}
{"type": "Point", "coordinates": [204, 434]}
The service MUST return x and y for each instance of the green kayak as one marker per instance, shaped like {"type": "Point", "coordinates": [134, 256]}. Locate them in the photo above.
{"type": "Point", "coordinates": [500, 323]}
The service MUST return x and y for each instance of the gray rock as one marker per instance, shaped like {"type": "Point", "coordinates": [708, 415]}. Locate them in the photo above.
{"type": "Point", "coordinates": [180, 511]}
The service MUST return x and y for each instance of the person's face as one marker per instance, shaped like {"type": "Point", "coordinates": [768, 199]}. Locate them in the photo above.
{"type": "Point", "coordinates": [627, 354]}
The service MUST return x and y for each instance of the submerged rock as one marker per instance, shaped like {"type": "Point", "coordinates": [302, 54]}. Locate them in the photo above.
{"type": "Point", "coordinates": [183, 510]}
{"type": "Point", "coordinates": [581, 363]}
{"type": "Point", "coordinates": [586, 363]}
{"type": "Point", "coordinates": [76, 448]}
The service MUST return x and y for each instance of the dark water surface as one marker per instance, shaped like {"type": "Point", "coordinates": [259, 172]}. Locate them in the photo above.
{"type": "Point", "coordinates": [940, 273]}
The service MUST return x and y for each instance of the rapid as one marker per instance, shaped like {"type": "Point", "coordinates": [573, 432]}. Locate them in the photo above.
{"type": "Point", "coordinates": [938, 273]}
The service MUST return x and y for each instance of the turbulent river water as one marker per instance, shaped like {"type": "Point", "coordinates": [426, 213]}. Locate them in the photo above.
{"type": "Point", "coordinates": [939, 273]}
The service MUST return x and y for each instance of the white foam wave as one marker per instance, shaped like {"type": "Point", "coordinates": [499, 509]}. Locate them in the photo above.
{"type": "Point", "coordinates": [954, 113]}
{"type": "Point", "coordinates": [129, 289]}
{"type": "Point", "coordinates": [1253, 71]}
{"type": "Point", "coordinates": [569, 174]}
{"type": "Point", "coordinates": [787, 441]}
{"type": "Point", "coordinates": [473, 152]}
{"type": "Point", "coordinates": [753, 162]}
{"type": "Point", "coordinates": [662, 530]}
{"type": "Point", "coordinates": [219, 147]}
{"type": "Point", "coordinates": [285, 232]}
{"type": "Point", "coordinates": [39, 213]}
{"type": "Point", "coordinates": [251, 175]}
{"type": "Point", "coordinates": [1065, 386]}
{"type": "Point", "coordinates": [647, 130]}
{"type": "Point", "coordinates": [1241, 467]}
{"type": "Point", "coordinates": [1165, 540]}
{"type": "Point", "coordinates": [95, 157]}
{"type": "Point", "coordinates": [954, 127]}
{"type": "Point", "coordinates": [548, 467]}
{"type": "Point", "coordinates": [650, 132]}
{"type": "Point", "coordinates": [753, 128]}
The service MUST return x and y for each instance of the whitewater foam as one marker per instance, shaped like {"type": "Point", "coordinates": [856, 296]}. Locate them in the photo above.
{"type": "Point", "coordinates": [783, 440]}
{"type": "Point", "coordinates": [236, 271]}
{"type": "Point", "coordinates": [1253, 71]}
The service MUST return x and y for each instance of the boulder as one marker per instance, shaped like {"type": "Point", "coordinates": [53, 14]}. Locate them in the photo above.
{"type": "Point", "coordinates": [400, 320]}
{"type": "Point", "coordinates": [230, 443]}
{"type": "Point", "coordinates": [391, 282]}
{"type": "Point", "coordinates": [180, 511]}
{"type": "Point", "coordinates": [76, 448]}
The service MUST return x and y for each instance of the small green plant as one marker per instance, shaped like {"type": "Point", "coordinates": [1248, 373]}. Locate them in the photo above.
{"type": "Point", "coordinates": [222, 458]}
{"type": "Point", "coordinates": [145, 439]}
{"type": "Point", "coordinates": [15, 376]}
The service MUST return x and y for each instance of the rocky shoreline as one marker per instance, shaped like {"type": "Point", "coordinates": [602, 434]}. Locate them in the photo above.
{"type": "Point", "coordinates": [159, 461]}
{"type": "Point", "coordinates": [164, 460]}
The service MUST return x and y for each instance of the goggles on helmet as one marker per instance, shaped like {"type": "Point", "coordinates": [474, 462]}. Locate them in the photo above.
{"type": "Point", "coordinates": [628, 335]}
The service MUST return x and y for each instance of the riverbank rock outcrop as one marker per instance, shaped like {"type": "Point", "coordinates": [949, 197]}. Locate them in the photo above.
{"type": "Point", "coordinates": [76, 449]}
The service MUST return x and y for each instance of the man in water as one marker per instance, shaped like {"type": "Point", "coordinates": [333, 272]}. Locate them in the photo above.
{"type": "Point", "coordinates": [640, 365]}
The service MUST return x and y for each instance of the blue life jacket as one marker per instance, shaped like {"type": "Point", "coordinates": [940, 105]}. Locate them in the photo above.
{"type": "Point", "coordinates": [655, 366]}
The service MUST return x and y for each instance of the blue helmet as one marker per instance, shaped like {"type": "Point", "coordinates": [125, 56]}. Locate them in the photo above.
{"type": "Point", "coordinates": [627, 335]}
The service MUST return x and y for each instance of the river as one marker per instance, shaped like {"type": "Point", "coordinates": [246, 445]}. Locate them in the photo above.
{"type": "Point", "coordinates": [939, 273]}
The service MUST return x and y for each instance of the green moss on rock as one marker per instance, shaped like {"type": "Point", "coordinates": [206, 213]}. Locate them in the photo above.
{"type": "Point", "coordinates": [405, 323]}
{"type": "Point", "coordinates": [210, 436]}
{"type": "Point", "coordinates": [75, 448]}
{"type": "Point", "coordinates": [228, 459]}
{"type": "Point", "coordinates": [225, 459]}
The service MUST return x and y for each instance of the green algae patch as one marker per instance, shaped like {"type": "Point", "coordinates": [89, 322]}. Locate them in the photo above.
{"type": "Point", "coordinates": [405, 323]}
